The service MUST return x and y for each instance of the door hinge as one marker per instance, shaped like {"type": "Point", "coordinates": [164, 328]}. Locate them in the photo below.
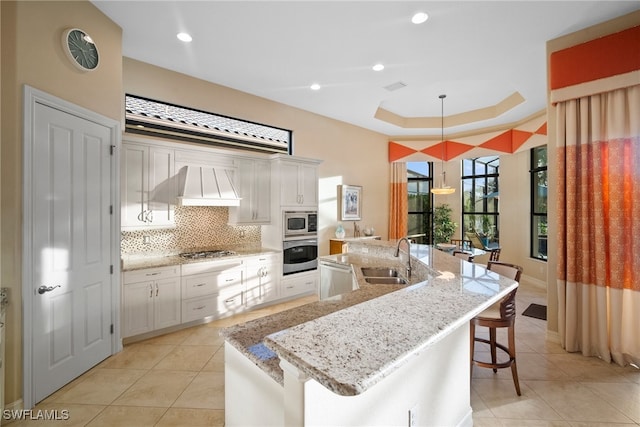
{"type": "Point", "coordinates": [111, 329]}
{"type": "Point", "coordinates": [111, 149]}
{"type": "Point", "coordinates": [111, 268]}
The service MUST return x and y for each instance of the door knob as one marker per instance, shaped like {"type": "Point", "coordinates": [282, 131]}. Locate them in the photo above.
{"type": "Point", "coordinates": [42, 289]}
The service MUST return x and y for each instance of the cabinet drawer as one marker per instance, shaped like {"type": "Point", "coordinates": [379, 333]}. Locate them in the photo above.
{"type": "Point", "coordinates": [295, 287]}
{"type": "Point", "coordinates": [206, 284]}
{"type": "Point", "coordinates": [213, 305]}
{"type": "Point", "coordinates": [199, 308]}
{"type": "Point", "coordinates": [151, 274]}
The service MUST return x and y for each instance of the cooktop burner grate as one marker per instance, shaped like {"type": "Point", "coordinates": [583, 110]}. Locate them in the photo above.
{"type": "Point", "coordinates": [207, 254]}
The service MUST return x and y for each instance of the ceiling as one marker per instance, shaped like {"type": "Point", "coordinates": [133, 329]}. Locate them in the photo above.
{"type": "Point", "coordinates": [480, 54]}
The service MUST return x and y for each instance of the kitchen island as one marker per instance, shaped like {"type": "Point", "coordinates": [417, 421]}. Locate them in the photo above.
{"type": "Point", "coordinates": [380, 355]}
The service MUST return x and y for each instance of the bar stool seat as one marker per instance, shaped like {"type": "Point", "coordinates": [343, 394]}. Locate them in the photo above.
{"type": "Point", "coordinates": [499, 315]}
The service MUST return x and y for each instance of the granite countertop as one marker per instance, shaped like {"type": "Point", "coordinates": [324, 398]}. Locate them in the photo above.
{"type": "Point", "coordinates": [350, 342]}
{"type": "Point", "coordinates": [141, 261]}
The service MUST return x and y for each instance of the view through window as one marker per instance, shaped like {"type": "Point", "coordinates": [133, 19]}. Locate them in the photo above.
{"type": "Point", "coordinates": [480, 197]}
{"type": "Point", "coordinates": [539, 185]}
{"type": "Point", "coordinates": [419, 184]}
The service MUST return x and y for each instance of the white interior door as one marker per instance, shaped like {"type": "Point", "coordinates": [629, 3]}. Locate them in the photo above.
{"type": "Point", "coordinates": [70, 247]}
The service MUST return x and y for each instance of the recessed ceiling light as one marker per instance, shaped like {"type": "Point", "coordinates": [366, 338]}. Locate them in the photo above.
{"type": "Point", "coordinates": [184, 37]}
{"type": "Point", "coordinates": [419, 18]}
{"type": "Point", "coordinates": [315, 86]}
{"type": "Point", "coordinates": [378, 67]}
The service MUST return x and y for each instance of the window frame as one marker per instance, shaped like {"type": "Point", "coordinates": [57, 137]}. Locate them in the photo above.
{"type": "Point", "coordinates": [536, 243]}
{"type": "Point", "coordinates": [427, 215]}
{"type": "Point", "coordinates": [475, 176]}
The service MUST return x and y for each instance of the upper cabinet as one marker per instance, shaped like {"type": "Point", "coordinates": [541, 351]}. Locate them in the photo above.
{"type": "Point", "coordinates": [253, 182]}
{"type": "Point", "coordinates": [147, 186]}
{"type": "Point", "coordinates": [298, 181]}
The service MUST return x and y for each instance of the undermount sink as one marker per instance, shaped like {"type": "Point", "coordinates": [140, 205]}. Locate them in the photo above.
{"type": "Point", "coordinates": [386, 280]}
{"type": "Point", "coordinates": [379, 272]}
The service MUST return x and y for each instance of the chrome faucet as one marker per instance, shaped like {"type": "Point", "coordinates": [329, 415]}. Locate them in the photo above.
{"type": "Point", "coordinates": [397, 254]}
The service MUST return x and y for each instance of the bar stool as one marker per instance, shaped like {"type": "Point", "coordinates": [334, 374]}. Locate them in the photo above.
{"type": "Point", "coordinates": [500, 315]}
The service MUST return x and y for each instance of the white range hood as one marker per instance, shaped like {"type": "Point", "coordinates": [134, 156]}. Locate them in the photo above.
{"type": "Point", "coordinates": [206, 186]}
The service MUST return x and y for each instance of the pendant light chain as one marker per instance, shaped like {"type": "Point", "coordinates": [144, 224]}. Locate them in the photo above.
{"type": "Point", "coordinates": [443, 189]}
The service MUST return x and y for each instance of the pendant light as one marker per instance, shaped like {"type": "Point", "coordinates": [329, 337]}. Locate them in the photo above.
{"type": "Point", "coordinates": [444, 188]}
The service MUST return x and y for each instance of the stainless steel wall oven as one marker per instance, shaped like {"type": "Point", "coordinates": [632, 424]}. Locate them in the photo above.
{"type": "Point", "coordinates": [299, 255]}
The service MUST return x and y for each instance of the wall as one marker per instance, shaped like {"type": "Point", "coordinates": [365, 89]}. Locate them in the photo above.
{"type": "Point", "coordinates": [197, 228]}
{"type": "Point", "coordinates": [31, 54]}
{"type": "Point", "coordinates": [350, 155]}
{"type": "Point", "coordinates": [573, 39]}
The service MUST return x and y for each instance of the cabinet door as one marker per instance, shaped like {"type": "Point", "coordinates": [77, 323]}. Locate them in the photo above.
{"type": "Point", "coordinates": [262, 192]}
{"type": "Point", "coordinates": [298, 184]}
{"type": "Point", "coordinates": [137, 308]}
{"type": "Point", "coordinates": [262, 277]}
{"type": "Point", "coordinates": [298, 284]}
{"type": "Point", "coordinates": [244, 181]}
{"type": "Point", "coordinates": [253, 182]}
{"type": "Point", "coordinates": [134, 163]}
{"type": "Point", "coordinates": [162, 186]}
{"type": "Point", "coordinates": [167, 303]}
{"type": "Point", "coordinates": [289, 193]}
{"type": "Point", "coordinates": [308, 185]}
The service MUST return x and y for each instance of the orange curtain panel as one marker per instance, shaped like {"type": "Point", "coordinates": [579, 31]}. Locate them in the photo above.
{"type": "Point", "coordinates": [598, 192]}
{"type": "Point", "coordinates": [398, 209]}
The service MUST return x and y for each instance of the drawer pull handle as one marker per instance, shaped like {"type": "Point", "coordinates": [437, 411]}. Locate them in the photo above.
{"type": "Point", "coordinates": [229, 280]}
{"type": "Point", "coordinates": [152, 274]}
{"type": "Point", "coordinates": [200, 284]}
{"type": "Point", "coordinates": [230, 300]}
{"type": "Point", "coordinates": [200, 308]}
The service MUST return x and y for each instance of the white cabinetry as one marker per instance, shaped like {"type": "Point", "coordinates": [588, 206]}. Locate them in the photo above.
{"type": "Point", "coordinates": [262, 278]}
{"type": "Point", "coordinates": [300, 283]}
{"type": "Point", "coordinates": [212, 288]}
{"type": "Point", "coordinates": [147, 186]}
{"type": "Point", "coordinates": [253, 181]}
{"type": "Point", "coordinates": [298, 182]}
{"type": "Point", "coordinates": [151, 300]}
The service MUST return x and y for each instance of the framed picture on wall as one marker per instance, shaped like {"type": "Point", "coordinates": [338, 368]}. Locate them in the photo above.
{"type": "Point", "coordinates": [350, 197]}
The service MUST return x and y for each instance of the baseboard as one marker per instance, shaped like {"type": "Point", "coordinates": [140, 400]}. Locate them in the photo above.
{"type": "Point", "coordinates": [467, 420]}
{"type": "Point", "coordinates": [553, 337]}
{"type": "Point", "coordinates": [18, 405]}
{"type": "Point", "coordinates": [534, 282]}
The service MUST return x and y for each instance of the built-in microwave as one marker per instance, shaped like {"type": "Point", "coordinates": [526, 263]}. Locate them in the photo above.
{"type": "Point", "coordinates": [300, 224]}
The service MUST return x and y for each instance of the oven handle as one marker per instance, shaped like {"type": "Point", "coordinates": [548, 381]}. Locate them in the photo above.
{"type": "Point", "coordinates": [287, 244]}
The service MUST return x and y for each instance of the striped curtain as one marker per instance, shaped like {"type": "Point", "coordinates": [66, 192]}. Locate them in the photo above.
{"type": "Point", "coordinates": [599, 225]}
{"type": "Point", "coordinates": [398, 208]}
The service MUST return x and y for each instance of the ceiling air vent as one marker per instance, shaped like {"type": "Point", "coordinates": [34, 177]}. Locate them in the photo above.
{"type": "Point", "coordinates": [395, 86]}
{"type": "Point", "coordinates": [154, 118]}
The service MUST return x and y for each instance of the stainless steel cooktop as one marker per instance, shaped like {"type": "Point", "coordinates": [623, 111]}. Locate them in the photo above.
{"type": "Point", "coordinates": [207, 254]}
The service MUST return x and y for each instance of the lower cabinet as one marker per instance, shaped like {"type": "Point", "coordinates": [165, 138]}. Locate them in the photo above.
{"type": "Point", "coordinates": [300, 283]}
{"type": "Point", "coordinates": [151, 300]}
{"type": "Point", "coordinates": [212, 289]}
{"type": "Point", "coordinates": [158, 298]}
{"type": "Point", "coordinates": [262, 279]}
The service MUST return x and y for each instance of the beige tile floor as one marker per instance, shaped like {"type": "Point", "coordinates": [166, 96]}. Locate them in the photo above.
{"type": "Point", "coordinates": [178, 380]}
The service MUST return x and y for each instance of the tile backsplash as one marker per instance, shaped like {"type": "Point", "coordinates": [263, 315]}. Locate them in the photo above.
{"type": "Point", "coordinates": [197, 227]}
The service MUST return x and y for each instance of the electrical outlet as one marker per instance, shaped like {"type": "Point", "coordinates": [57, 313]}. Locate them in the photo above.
{"type": "Point", "coordinates": [413, 421]}
{"type": "Point", "coordinates": [146, 240]}
{"type": "Point", "coordinates": [242, 233]}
